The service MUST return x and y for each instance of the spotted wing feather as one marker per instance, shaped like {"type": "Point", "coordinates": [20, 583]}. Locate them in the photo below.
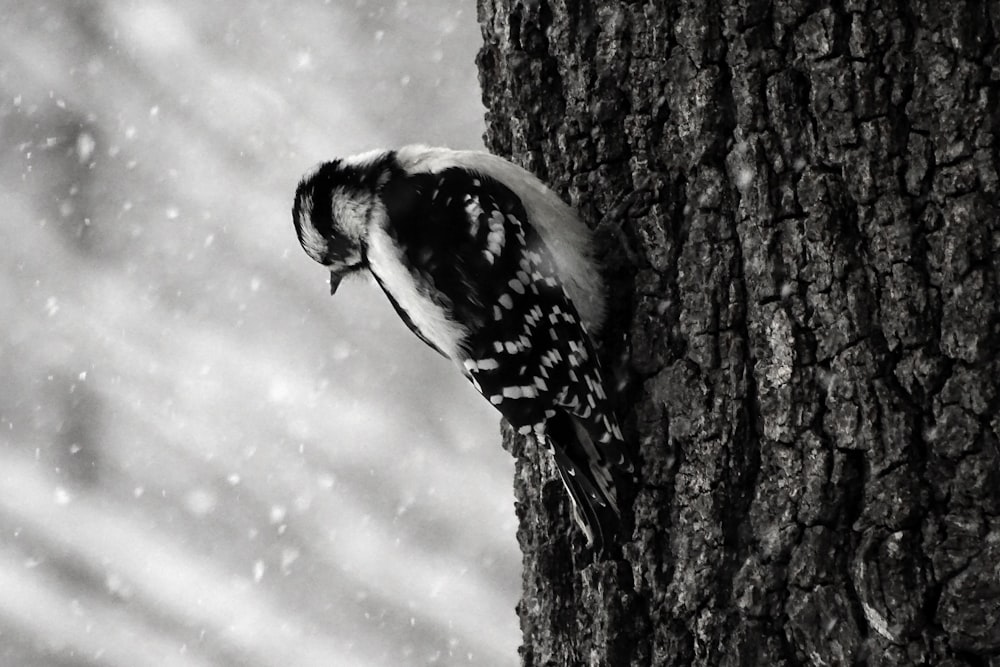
{"type": "Point", "coordinates": [469, 240]}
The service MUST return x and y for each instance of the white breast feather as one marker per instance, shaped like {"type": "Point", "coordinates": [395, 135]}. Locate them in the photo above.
{"type": "Point", "coordinates": [411, 293]}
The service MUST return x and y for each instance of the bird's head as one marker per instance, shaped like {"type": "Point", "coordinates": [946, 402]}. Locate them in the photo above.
{"type": "Point", "coordinates": [333, 208]}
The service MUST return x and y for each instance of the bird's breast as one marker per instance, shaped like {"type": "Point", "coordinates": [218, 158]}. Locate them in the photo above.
{"type": "Point", "coordinates": [414, 295]}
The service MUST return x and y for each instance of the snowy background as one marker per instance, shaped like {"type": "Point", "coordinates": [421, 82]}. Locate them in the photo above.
{"type": "Point", "coordinates": [204, 459]}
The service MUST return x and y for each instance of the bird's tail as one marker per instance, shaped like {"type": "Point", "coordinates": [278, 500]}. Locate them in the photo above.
{"type": "Point", "coordinates": [594, 473]}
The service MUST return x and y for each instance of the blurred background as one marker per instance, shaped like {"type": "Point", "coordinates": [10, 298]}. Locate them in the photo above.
{"type": "Point", "coordinates": [204, 459]}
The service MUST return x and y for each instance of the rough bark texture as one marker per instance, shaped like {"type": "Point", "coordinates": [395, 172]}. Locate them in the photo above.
{"type": "Point", "coordinates": [808, 293]}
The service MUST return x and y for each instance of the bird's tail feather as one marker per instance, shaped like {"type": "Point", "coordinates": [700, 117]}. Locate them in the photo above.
{"type": "Point", "coordinates": [591, 479]}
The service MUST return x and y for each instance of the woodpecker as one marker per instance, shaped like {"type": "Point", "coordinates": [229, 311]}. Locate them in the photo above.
{"type": "Point", "coordinates": [489, 267]}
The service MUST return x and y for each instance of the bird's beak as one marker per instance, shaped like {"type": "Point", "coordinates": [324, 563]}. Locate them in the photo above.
{"type": "Point", "coordinates": [335, 279]}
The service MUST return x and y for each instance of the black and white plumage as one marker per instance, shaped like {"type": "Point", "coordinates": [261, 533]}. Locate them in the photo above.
{"type": "Point", "coordinates": [491, 269]}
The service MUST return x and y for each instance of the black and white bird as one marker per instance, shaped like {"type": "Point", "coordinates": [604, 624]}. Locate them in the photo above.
{"type": "Point", "coordinates": [490, 268]}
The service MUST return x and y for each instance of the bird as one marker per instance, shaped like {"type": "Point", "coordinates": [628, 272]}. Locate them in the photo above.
{"type": "Point", "coordinates": [490, 268]}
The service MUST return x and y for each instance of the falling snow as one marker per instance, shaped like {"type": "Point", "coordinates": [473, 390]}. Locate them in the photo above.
{"type": "Point", "coordinates": [61, 496]}
{"type": "Point", "coordinates": [85, 145]}
{"type": "Point", "coordinates": [200, 502]}
{"type": "Point", "coordinates": [277, 514]}
{"type": "Point", "coordinates": [191, 423]}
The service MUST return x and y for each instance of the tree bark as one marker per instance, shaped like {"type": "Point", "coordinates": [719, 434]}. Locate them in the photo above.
{"type": "Point", "coordinates": [806, 291]}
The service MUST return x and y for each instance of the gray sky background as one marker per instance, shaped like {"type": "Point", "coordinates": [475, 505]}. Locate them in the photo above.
{"type": "Point", "coordinates": [204, 459]}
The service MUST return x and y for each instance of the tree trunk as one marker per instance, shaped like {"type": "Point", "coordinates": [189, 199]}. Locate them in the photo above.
{"type": "Point", "coordinates": [807, 299]}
